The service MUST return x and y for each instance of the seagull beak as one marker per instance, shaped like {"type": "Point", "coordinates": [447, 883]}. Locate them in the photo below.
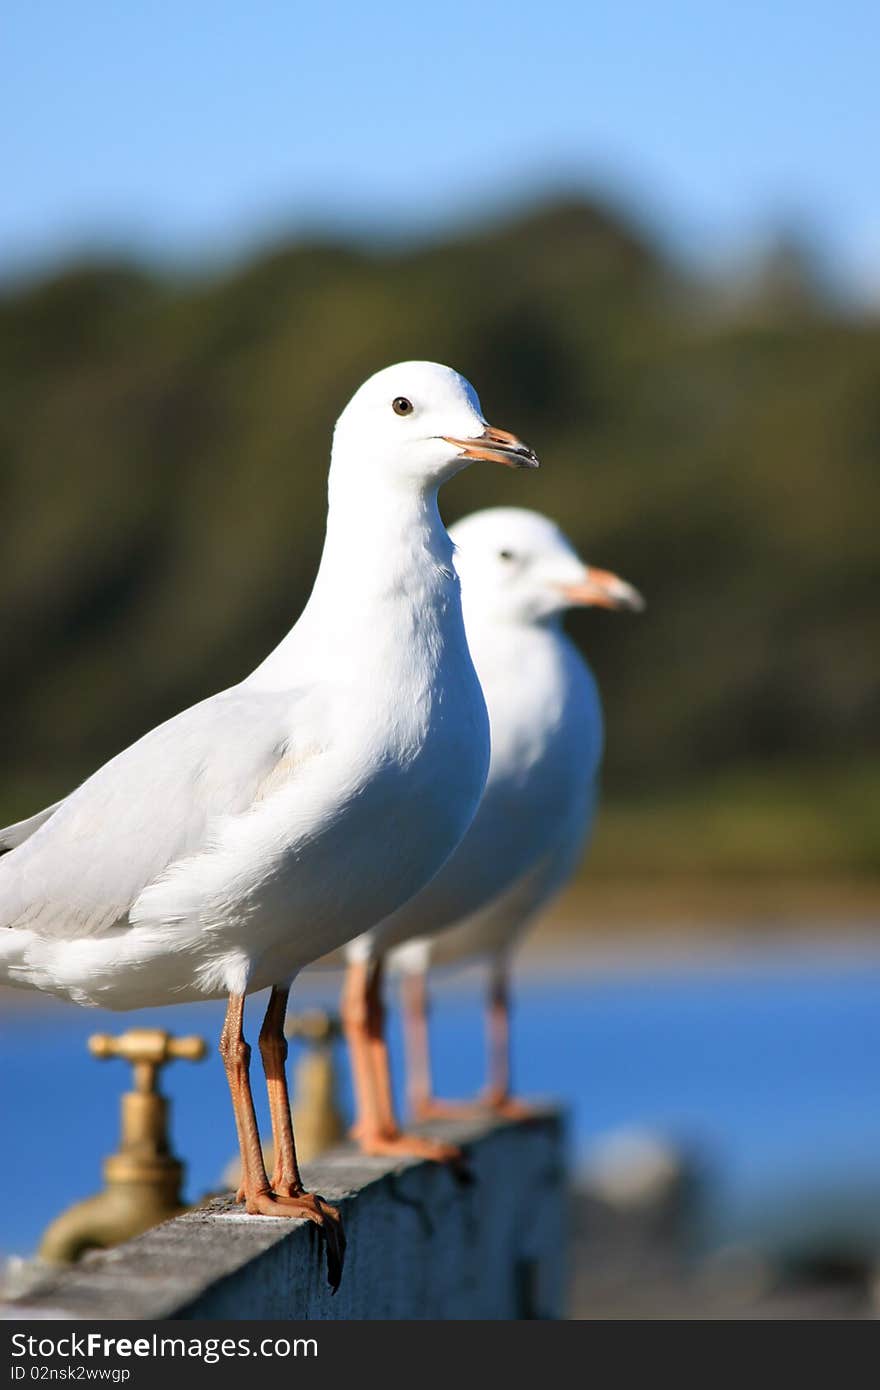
{"type": "Point", "coordinates": [602, 589]}
{"type": "Point", "coordinates": [497, 446]}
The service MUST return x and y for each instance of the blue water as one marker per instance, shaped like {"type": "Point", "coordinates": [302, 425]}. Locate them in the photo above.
{"type": "Point", "coordinates": [765, 1063]}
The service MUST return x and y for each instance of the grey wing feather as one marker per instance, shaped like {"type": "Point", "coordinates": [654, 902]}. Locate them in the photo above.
{"type": "Point", "coordinates": [14, 835]}
{"type": "Point", "coordinates": [148, 807]}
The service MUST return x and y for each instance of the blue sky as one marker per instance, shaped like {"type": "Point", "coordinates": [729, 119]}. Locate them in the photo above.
{"type": "Point", "coordinates": [191, 129]}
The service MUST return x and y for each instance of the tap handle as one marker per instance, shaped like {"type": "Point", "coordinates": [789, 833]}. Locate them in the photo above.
{"type": "Point", "coordinates": [314, 1026]}
{"type": "Point", "coordinates": [147, 1049]}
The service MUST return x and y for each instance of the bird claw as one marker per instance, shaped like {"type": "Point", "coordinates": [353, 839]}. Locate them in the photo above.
{"type": "Point", "coordinates": [511, 1109]}
{"type": "Point", "coordinates": [506, 1108]}
{"type": "Point", "coordinates": [410, 1146]}
{"type": "Point", "coordinates": [334, 1239]}
{"type": "Point", "coordinates": [448, 1110]}
{"type": "Point", "coordinates": [307, 1206]}
{"type": "Point", "coordinates": [415, 1146]}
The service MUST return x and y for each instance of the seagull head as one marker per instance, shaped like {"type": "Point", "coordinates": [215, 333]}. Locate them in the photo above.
{"type": "Point", "coordinates": [517, 566]}
{"type": "Point", "coordinates": [417, 424]}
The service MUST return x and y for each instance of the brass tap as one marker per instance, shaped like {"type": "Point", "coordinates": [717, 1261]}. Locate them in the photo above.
{"type": "Point", "coordinates": [143, 1179]}
{"type": "Point", "coordinates": [317, 1117]}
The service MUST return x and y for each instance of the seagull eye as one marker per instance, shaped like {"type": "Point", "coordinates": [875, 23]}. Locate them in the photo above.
{"type": "Point", "coordinates": [505, 555]}
{"type": "Point", "coordinates": [401, 406]}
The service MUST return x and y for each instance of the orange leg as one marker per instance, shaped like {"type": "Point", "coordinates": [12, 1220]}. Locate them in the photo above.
{"type": "Point", "coordinates": [376, 1128]}
{"type": "Point", "coordinates": [417, 1044]}
{"type": "Point", "coordinates": [259, 1196]}
{"type": "Point", "coordinates": [496, 1099]}
{"type": "Point", "coordinates": [286, 1180]}
{"type": "Point", "coordinates": [423, 1104]}
{"type": "Point", "coordinates": [353, 1010]}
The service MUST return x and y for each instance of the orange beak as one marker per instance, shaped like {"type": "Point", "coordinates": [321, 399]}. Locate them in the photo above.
{"type": "Point", "coordinates": [496, 446]}
{"type": "Point", "coordinates": [602, 589]}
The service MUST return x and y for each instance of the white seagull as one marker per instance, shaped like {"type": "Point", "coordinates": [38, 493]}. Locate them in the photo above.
{"type": "Point", "coordinates": [519, 574]}
{"type": "Point", "coordinates": [265, 826]}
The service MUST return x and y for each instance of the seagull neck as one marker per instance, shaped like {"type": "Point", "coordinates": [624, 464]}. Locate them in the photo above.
{"type": "Point", "coordinates": [372, 552]}
{"type": "Point", "coordinates": [385, 571]}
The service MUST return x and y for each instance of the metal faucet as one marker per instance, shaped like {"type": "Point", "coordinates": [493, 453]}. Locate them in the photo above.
{"type": "Point", "coordinates": [143, 1179]}
{"type": "Point", "coordinates": [316, 1111]}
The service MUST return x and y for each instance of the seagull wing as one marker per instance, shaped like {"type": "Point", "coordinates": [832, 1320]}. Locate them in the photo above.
{"type": "Point", "coordinates": [14, 835]}
{"type": "Point", "coordinates": [81, 871]}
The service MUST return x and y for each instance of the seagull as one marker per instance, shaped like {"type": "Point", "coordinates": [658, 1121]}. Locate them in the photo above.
{"type": "Point", "coordinates": [519, 575]}
{"type": "Point", "coordinates": [264, 826]}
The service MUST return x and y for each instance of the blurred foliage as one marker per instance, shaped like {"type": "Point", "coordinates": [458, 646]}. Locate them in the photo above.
{"type": "Point", "coordinates": [163, 455]}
